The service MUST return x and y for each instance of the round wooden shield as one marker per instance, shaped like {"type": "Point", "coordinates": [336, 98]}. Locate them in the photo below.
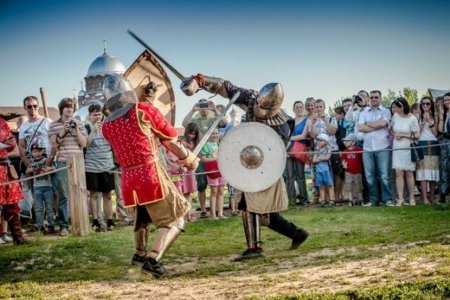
{"type": "Point", "coordinates": [152, 84]}
{"type": "Point", "coordinates": [252, 157]}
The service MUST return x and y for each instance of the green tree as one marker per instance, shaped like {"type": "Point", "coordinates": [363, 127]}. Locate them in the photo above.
{"type": "Point", "coordinates": [410, 95]}
{"type": "Point", "coordinates": [332, 107]}
{"type": "Point", "coordinates": [389, 98]}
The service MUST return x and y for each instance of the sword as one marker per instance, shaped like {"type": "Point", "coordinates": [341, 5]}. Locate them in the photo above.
{"type": "Point", "coordinates": [175, 71]}
{"type": "Point", "coordinates": [214, 125]}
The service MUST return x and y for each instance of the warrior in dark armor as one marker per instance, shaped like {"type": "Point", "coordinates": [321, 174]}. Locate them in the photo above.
{"type": "Point", "coordinates": [264, 107]}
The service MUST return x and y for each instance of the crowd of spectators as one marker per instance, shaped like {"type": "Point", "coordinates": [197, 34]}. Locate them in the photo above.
{"type": "Point", "coordinates": [358, 155]}
{"type": "Point", "coordinates": [368, 147]}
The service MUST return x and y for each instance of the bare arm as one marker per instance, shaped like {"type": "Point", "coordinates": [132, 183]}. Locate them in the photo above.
{"type": "Point", "coordinates": [303, 135]}
{"type": "Point", "coordinates": [316, 158]}
{"type": "Point", "coordinates": [313, 131]}
{"type": "Point", "coordinates": [441, 123]}
{"type": "Point", "coordinates": [349, 115]}
{"type": "Point", "coordinates": [81, 138]}
{"type": "Point", "coordinates": [330, 128]}
{"type": "Point", "coordinates": [22, 152]}
{"type": "Point", "coordinates": [188, 118]}
{"type": "Point", "coordinates": [378, 124]}
{"type": "Point", "coordinates": [364, 128]}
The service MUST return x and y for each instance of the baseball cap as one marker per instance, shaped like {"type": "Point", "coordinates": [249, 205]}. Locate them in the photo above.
{"type": "Point", "coordinates": [203, 103]}
{"type": "Point", "coordinates": [350, 137]}
{"type": "Point", "coordinates": [323, 137]}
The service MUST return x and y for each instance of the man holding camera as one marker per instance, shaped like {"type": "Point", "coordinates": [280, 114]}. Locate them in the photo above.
{"type": "Point", "coordinates": [204, 120]}
{"type": "Point", "coordinates": [68, 138]}
{"type": "Point", "coordinates": [360, 101]}
{"type": "Point", "coordinates": [359, 104]}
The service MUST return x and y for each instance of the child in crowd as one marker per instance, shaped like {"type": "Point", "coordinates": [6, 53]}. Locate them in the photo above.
{"type": "Point", "coordinates": [173, 168]}
{"type": "Point", "coordinates": [324, 177]}
{"type": "Point", "coordinates": [208, 155]}
{"type": "Point", "coordinates": [190, 140]}
{"type": "Point", "coordinates": [352, 163]}
{"type": "Point", "coordinates": [43, 190]}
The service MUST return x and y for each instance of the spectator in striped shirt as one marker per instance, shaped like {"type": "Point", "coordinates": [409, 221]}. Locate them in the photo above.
{"type": "Point", "coordinates": [68, 138]}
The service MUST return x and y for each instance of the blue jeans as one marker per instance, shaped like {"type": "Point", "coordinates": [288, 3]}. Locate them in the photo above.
{"type": "Point", "coordinates": [377, 166]}
{"type": "Point", "coordinates": [43, 197]}
{"type": "Point", "coordinates": [63, 194]}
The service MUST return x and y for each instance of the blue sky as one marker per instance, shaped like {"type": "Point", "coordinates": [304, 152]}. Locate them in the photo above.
{"type": "Point", "coordinates": [323, 49]}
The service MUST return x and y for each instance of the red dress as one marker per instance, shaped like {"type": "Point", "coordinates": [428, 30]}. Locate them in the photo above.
{"type": "Point", "coordinates": [133, 139]}
{"type": "Point", "coordinates": [11, 193]}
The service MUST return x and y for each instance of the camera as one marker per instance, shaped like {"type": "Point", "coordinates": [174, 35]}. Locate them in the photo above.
{"type": "Point", "coordinates": [72, 124]}
{"type": "Point", "coordinates": [203, 105]}
{"type": "Point", "coordinates": [357, 100]}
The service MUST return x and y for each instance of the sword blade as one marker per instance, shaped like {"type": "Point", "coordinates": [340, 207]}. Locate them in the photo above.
{"type": "Point", "coordinates": [214, 125]}
{"type": "Point", "coordinates": [169, 66]}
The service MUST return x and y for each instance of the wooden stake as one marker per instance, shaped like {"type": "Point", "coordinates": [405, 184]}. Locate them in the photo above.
{"type": "Point", "coordinates": [79, 210]}
{"type": "Point", "coordinates": [44, 103]}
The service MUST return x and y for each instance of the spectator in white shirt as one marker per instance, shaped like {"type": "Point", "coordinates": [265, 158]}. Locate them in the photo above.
{"type": "Point", "coordinates": [373, 123]}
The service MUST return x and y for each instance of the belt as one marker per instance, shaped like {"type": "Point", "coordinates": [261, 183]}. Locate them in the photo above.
{"type": "Point", "coordinates": [138, 166]}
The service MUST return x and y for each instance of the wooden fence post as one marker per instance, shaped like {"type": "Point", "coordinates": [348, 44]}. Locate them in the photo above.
{"type": "Point", "coordinates": [79, 210]}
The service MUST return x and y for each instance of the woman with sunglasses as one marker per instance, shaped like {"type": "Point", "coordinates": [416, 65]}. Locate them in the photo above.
{"type": "Point", "coordinates": [428, 168]}
{"type": "Point", "coordinates": [404, 127]}
{"type": "Point", "coordinates": [444, 162]}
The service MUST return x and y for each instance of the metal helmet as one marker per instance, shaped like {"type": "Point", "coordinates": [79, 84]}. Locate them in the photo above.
{"type": "Point", "coordinates": [118, 92]}
{"type": "Point", "coordinates": [269, 101]}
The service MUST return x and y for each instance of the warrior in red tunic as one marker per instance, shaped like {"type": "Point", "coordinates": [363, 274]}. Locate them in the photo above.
{"type": "Point", "coordinates": [10, 194]}
{"type": "Point", "coordinates": [133, 129]}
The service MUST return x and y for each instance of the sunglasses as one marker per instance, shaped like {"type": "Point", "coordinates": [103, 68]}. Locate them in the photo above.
{"type": "Point", "coordinates": [35, 106]}
{"type": "Point", "coordinates": [426, 103]}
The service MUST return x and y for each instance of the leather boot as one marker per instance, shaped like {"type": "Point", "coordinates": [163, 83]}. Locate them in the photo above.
{"type": "Point", "coordinates": [288, 229]}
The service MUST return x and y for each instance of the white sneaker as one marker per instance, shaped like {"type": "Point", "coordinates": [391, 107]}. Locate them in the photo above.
{"type": "Point", "coordinates": [2, 242]}
{"type": "Point", "coordinates": [64, 232]}
{"type": "Point", "coordinates": [6, 238]}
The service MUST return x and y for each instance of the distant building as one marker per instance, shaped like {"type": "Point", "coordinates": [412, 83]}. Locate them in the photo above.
{"type": "Point", "coordinates": [98, 70]}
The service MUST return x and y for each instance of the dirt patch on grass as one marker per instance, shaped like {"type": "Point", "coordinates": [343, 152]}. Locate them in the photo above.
{"type": "Point", "coordinates": [283, 277]}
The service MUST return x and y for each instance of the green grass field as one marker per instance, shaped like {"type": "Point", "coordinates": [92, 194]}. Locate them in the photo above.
{"type": "Point", "coordinates": [339, 235]}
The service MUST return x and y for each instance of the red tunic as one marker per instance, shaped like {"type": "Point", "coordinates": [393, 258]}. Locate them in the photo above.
{"type": "Point", "coordinates": [11, 193]}
{"type": "Point", "coordinates": [133, 140]}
